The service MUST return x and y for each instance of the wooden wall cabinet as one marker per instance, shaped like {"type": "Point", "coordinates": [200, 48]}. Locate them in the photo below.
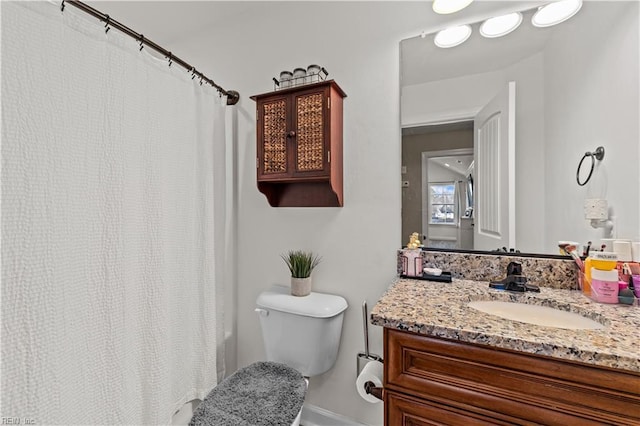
{"type": "Point", "coordinates": [299, 145]}
{"type": "Point", "coordinates": [429, 381]}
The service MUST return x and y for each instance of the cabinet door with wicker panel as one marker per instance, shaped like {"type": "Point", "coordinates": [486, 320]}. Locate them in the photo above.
{"type": "Point", "coordinates": [299, 145]}
{"type": "Point", "coordinates": [292, 131]}
{"type": "Point", "coordinates": [310, 148]}
{"type": "Point", "coordinates": [273, 138]}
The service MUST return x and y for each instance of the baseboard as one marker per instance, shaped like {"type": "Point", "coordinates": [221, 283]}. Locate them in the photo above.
{"type": "Point", "coordinates": [311, 416]}
{"type": "Point", "coordinates": [316, 416]}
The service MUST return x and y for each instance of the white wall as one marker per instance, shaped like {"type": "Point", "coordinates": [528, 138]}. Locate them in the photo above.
{"type": "Point", "coordinates": [448, 100]}
{"type": "Point", "coordinates": [600, 72]}
{"type": "Point", "coordinates": [438, 173]}
{"type": "Point", "coordinates": [358, 242]}
{"type": "Point", "coordinates": [531, 182]}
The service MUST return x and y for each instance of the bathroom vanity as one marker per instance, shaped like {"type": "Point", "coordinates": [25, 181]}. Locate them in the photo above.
{"type": "Point", "coordinates": [447, 363]}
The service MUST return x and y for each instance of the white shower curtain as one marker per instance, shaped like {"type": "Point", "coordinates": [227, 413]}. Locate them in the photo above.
{"type": "Point", "coordinates": [112, 224]}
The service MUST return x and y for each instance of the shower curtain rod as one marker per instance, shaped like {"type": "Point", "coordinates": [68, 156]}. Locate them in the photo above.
{"type": "Point", "coordinates": [232, 95]}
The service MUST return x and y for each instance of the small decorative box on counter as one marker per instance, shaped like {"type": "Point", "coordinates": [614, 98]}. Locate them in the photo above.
{"type": "Point", "coordinates": [411, 262]}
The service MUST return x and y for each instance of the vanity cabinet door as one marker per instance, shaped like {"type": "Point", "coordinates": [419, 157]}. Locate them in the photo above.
{"type": "Point", "coordinates": [505, 385]}
{"type": "Point", "coordinates": [403, 410]}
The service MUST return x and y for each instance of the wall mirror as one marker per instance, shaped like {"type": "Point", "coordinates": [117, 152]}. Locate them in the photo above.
{"type": "Point", "coordinates": [546, 84]}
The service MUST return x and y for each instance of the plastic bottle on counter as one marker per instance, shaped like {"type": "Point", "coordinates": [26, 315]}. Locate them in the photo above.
{"type": "Point", "coordinates": [601, 261]}
{"type": "Point", "coordinates": [586, 280]}
{"type": "Point", "coordinates": [604, 285]}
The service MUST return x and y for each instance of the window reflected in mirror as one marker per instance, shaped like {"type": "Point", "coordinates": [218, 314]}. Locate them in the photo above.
{"type": "Point", "coordinates": [442, 205]}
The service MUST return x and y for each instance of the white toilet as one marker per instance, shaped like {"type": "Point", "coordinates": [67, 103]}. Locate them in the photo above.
{"type": "Point", "coordinates": [301, 337]}
{"type": "Point", "coordinates": [301, 332]}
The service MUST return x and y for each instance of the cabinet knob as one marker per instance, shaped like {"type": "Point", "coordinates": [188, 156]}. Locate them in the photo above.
{"type": "Point", "coordinates": [291, 134]}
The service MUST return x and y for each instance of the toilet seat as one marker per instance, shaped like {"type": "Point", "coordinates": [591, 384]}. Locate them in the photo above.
{"type": "Point", "coordinates": [263, 393]}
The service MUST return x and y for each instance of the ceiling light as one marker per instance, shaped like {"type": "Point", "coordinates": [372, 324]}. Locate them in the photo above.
{"type": "Point", "coordinates": [452, 36]}
{"type": "Point", "coordinates": [500, 25]}
{"type": "Point", "coordinates": [444, 7]}
{"type": "Point", "coordinates": [447, 164]}
{"type": "Point", "coordinates": [556, 12]}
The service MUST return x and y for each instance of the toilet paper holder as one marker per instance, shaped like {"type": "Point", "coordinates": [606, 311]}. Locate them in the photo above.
{"type": "Point", "coordinates": [374, 390]}
{"type": "Point", "coordinates": [365, 357]}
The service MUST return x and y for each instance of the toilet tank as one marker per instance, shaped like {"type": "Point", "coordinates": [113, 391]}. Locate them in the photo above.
{"type": "Point", "coordinates": [302, 332]}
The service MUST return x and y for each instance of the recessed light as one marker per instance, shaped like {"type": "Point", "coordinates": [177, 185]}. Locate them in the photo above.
{"type": "Point", "coordinates": [447, 164]}
{"type": "Point", "coordinates": [444, 7]}
{"type": "Point", "coordinates": [556, 12]}
{"type": "Point", "coordinates": [452, 36]}
{"type": "Point", "coordinates": [500, 25]}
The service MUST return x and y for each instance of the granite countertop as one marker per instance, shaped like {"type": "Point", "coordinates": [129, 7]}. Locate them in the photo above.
{"type": "Point", "coordinates": [440, 310]}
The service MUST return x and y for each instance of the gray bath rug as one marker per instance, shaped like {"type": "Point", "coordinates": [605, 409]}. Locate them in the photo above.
{"type": "Point", "coordinates": [262, 394]}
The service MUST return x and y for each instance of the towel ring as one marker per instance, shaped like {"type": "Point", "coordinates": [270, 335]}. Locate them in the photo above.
{"type": "Point", "coordinates": [598, 154]}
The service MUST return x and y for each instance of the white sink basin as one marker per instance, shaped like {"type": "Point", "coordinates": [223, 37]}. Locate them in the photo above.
{"type": "Point", "coordinates": [534, 314]}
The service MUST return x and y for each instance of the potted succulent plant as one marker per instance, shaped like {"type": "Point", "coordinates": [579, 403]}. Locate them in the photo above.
{"type": "Point", "coordinates": [301, 265]}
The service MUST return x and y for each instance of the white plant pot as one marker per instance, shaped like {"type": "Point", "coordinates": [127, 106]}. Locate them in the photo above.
{"type": "Point", "coordinates": [300, 286]}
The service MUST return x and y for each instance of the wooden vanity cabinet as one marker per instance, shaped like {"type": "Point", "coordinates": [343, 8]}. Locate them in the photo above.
{"type": "Point", "coordinates": [299, 145]}
{"type": "Point", "coordinates": [431, 381]}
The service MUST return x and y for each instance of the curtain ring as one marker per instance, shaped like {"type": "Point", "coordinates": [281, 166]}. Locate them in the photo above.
{"type": "Point", "coordinates": [141, 40]}
{"type": "Point", "coordinates": [62, 6]}
{"type": "Point", "coordinates": [106, 25]}
{"type": "Point", "coordinates": [170, 58]}
{"type": "Point", "coordinates": [598, 154]}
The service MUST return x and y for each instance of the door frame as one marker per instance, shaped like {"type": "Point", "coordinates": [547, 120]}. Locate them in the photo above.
{"type": "Point", "coordinates": [424, 181]}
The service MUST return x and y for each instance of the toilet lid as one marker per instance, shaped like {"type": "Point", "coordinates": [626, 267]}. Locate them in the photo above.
{"type": "Point", "coordinates": [317, 305]}
{"type": "Point", "coordinates": [262, 394]}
